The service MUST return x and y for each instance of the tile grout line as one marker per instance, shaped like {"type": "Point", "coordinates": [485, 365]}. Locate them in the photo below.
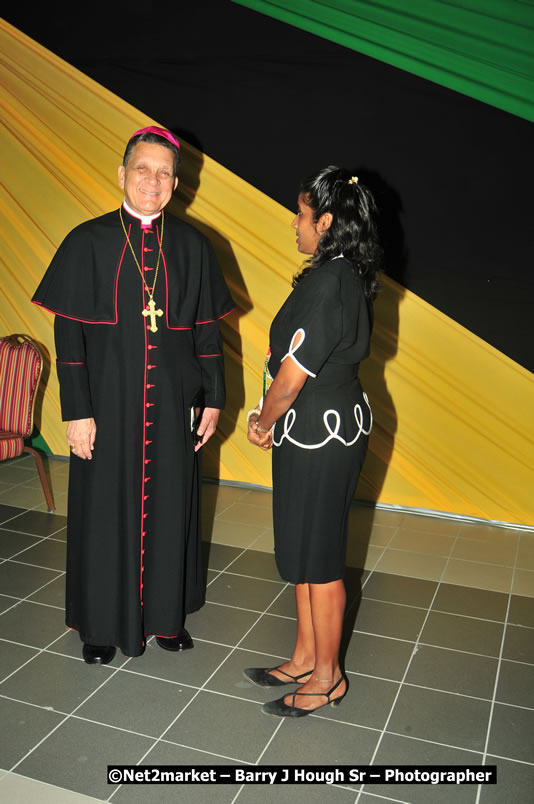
{"type": "Point", "coordinates": [27, 598]}
{"type": "Point", "coordinates": [203, 687]}
{"type": "Point", "coordinates": [35, 508]}
{"type": "Point", "coordinates": [244, 550]}
{"type": "Point", "coordinates": [36, 603]}
{"type": "Point", "coordinates": [264, 532]}
{"type": "Point", "coordinates": [380, 797]}
{"type": "Point", "coordinates": [456, 558]}
{"type": "Point", "coordinates": [206, 640]}
{"type": "Point", "coordinates": [113, 726]}
{"type": "Point", "coordinates": [497, 675]}
{"type": "Point", "coordinates": [27, 533]}
{"type": "Point", "coordinates": [279, 726]}
{"type": "Point", "coordinates": [69, 715]}
{"type": "Point", "coordinates": [16, 516]}
{"type": "Point", "coordinates": [125, 669]}
{"type": "Point", "coordinates": [40, 539]}
{"type": "Point", "coordinates": [221, 572]}
{"type": "Point", "coordinates": [194, 748]}
{"type": "Point", "coordinates": [251, 577]}
{"type": "Point", "coordinates": [407, 668]}
{"type": "Point", "coordinates": [37, 566]}
{"type": "Point", "coordinates": [448, 557]}
{"type": "Point", "coordinates": [358, 600]}
{"type": "Point", "coordinates": [266, 746]}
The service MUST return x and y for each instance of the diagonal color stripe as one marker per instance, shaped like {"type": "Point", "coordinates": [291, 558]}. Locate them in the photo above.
{"type": "Point", "coordinates": [453, 416]}
{"type": "Point", "coordinates": [481, 48]}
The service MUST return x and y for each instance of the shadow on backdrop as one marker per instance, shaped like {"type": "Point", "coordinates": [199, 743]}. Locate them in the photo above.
{"type": "Point", "coordinates": [190, 177]}
{"type": "Point", "coordinates": [384, 344]}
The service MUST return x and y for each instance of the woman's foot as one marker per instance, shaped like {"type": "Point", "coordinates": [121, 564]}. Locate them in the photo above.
{"type": "Point", "coordinates": [299, 704]}
{"type": "Point", "coordinates": [291, 668]}
{"type": "Point", "coordinates": [286, 673]}
{"type": "Point", "coordinates": [320, 686]}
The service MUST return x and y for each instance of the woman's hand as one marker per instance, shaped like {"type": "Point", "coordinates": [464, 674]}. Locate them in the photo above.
{"type": "Point", "coordinates": [285, 388]}
{"type": "Point", "coordinates": [260, 439]}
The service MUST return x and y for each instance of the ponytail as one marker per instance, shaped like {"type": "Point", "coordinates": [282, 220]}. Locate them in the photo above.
{"type": "Point", "coordinates": [353, 231]}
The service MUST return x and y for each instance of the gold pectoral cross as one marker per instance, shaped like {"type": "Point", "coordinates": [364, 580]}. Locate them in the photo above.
{"type": "Point", "coordinates": [152, 312]}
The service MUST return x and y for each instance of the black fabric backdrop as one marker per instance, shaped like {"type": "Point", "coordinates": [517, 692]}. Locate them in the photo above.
{"type": "Point", "coordinates": [453, 176]}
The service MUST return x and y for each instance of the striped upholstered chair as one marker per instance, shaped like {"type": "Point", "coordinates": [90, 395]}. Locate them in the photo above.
{"type": "Point", "coordinates": [21, 364]}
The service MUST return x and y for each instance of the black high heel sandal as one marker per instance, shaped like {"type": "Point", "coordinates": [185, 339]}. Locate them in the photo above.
{"type": "Point", "coordinates": [279, 708]}
{"type": "Point", "coordinates": [262, 676]}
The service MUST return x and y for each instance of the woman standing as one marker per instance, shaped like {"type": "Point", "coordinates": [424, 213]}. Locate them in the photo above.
{"type": "Point", "coordinates": [323, 419]}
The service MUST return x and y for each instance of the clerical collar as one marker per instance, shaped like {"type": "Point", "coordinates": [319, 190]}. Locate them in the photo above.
{"type": "Point", "coordinates": [146, 220]}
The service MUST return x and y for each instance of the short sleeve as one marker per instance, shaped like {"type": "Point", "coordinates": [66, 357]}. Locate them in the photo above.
{"type": "Point", "coordinates": [317, 316]}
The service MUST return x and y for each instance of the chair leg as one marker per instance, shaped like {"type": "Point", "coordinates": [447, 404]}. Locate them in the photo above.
{"type": "Point", "coordinates": [42, 476]}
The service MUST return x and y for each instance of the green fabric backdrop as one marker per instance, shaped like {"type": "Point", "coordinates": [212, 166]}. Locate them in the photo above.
{"type": "Point", "coordinates": [482, 48]}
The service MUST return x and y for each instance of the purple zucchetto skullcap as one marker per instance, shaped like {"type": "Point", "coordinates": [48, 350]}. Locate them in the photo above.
{"type": "Point", "coordinates": [161, 132]}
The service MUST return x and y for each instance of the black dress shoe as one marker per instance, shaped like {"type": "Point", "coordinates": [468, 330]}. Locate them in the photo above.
{"type": "Point", "coordinates": [181, 642]}
{"type": "Point", "coordinates": [98, 654]}
{"type": "Point", "coordinates": [263, 677]}
{"type": "Point", "coordinates": [279, 708]}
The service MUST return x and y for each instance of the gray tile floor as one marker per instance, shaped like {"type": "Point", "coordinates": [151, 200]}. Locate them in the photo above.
{"type": "Point", "coordinates": [440, 673]}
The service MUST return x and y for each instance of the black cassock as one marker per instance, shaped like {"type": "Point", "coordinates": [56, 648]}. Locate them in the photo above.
{"type": "Point", "coordinates": [133, 547]}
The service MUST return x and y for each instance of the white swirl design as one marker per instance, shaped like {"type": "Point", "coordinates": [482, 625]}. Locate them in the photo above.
{"type": "Point", "coordinates": [292, 349]}
{"type": "Point", "coordinates": [333, 433]}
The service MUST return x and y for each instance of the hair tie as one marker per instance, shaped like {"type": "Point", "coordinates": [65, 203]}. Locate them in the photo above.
{"type": "Point", "coordinates": [353, 180]}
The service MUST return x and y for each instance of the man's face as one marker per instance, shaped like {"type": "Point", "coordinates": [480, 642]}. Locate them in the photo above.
{"type": "Point", "coordinates": [148, 179]}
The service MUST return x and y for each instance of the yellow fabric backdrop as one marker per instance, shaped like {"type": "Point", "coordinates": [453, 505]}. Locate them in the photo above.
{"type": "Point", "coordinates": [454, 429]}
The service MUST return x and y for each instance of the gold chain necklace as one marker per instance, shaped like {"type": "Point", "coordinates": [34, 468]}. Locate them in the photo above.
{"type": "Point", "coordinates": [150, 309]}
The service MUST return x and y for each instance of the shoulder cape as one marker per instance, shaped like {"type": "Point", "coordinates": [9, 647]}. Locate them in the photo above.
{"type": "Point", "coordinates": [81, 281]}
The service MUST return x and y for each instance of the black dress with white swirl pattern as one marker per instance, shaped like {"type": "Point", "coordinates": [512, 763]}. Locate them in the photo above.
{"type": "Point", "coordinates": [319, 445]}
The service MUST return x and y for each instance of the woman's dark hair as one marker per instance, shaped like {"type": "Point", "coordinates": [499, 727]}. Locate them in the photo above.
{"type": "Point", "coordinates": [152, 139]}
{"type": "Point", "coordinates": [353, 231]}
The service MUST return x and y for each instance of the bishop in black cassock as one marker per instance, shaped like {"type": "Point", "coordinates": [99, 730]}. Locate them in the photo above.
{"type": "Point", "coordinates": [137, 295]}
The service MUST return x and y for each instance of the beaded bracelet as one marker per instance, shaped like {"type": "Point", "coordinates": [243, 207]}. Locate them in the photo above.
{"type": "Point", "coordinates": [255, 411]}
{"type": "Point", "coordinates": [262, 430]}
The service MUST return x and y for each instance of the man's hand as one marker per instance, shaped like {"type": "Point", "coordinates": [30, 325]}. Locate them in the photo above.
{"type": "Point", "coordinates": [207, 426]}
{"type": "Point", "coordinates": [81, 434]}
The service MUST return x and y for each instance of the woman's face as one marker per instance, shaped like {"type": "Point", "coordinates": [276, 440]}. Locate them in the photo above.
{"type": "Point", "coordinates": [309, 231]}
